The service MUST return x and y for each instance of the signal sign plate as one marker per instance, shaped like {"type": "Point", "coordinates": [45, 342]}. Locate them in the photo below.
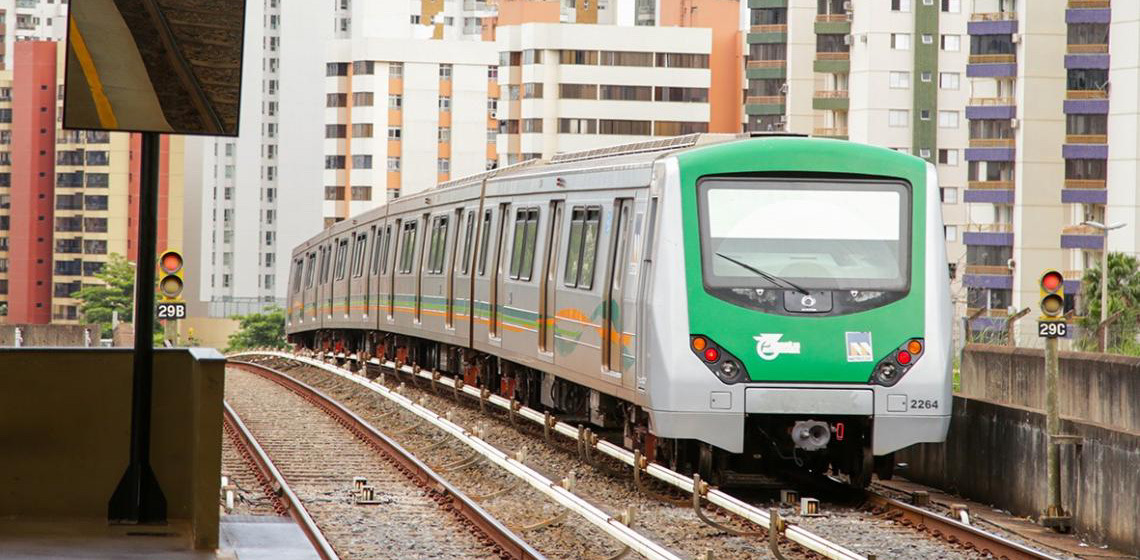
{"type": "Point", "coordinates": [1052, 329]}
{"type": "Point", "coordinates": [171, 310]}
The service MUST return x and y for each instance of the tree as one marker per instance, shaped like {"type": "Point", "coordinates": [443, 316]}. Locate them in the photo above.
{"type": "Point", "coordinates": [1123, 297]}
{"type": "Point", "coordinates": [260, 330]}
{"type": "Point", "coordinates": [98, 303]}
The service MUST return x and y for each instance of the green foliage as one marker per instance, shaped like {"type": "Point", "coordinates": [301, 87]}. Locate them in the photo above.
{"type": "Point", "coordinates": [99, 302]}
{"type": "Point", "coordinates": [260, 330]}
{"type": "Point", "coordinates": [1123, 297]}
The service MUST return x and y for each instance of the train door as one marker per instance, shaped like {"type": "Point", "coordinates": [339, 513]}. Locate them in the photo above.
{"type": "Point", "coordinates": [464, 284]}
{"type": "Point", "coordinates": [612, 316]}
{"type": "Point", "coordinates": [497, 272]}
{"type": "Point", "coordinates": [449, 312]}
{"type": "Point", "coordinates": [549, 282]}
{"type": "Point", "coordinates": [480, 286]}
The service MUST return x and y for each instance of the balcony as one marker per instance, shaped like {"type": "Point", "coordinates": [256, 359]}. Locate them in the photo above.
{"type": "Point", "coordinates": [1080, 94]}
{"type": "Point", "coordinates": [767, 64]}
{"type": "Point", "coordinates": [833, 56]}
{"type": "Point", "coordinates": [832, 18]}
{"type": "Point", "coordinates": [1086, 138]}
{"type": "Point", "coordinates": [840, 133]}
{"type": "Point", "coordinates": [1088, 4]}
{"type": "Point", "coordinates": [992, 101]}
{"type": "Point", "coordinates": [767, 34]}
{"type": "Point", "coordinates": [992, 142]}
{"type": "Point", "coordinates": [1084, 191]}
{"type": "Point", "coordinates": [995, 277]}
{"type": "Point", "coordinates": [1082, 237]}
{"type": "Point", "coordinates": [989, 192]}
{"type": "Point", "coordinates": [993, 235]}
{"type": "Point", "coordinates": [1087, 49]}
{"type": "Point", "coordinates": [771, 28]}
{"type": "Point", "coordinates": [993, 59]}
{"type": "Point", "coordinates": [989, 269]}
{"type": "Point", "coordinates": [764, 105]}
{"type": "Point", "coordinates": [990, 228]}
{"type": "Point", "coordinates": [994, 16]}
{"type": "Point", "coordinates": [1085, 183]}
{"type": "Point", "coordinates": [989, 185]}
{"type": "Point", "coordinates": [764, 99]}
{"type": "Point", "coordinates": [834, 100]}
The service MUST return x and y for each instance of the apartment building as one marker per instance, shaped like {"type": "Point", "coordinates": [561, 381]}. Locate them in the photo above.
{"type": "Point", "coordinates": [30, 19]}
{"type": "Point", "coordinates": [67, 198]}
{"type": "Point", "coordinates": [890, 73]}
{"type": "Point", "coordinates": [253, 197]}
{"type": "Point", "coordinates": [567, 87]}
{"type": "Point", "coordinates": [1052, 116]}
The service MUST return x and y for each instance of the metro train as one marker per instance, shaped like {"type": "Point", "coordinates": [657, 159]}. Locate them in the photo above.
{"type": "Point", "coordinates": [723, 303]}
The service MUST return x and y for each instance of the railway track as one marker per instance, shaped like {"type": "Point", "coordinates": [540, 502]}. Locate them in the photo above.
{"type": "Point", "coordinates": [966, 541]}
{"type": "Point", "coordinates": [363, 492]}
{"type": "Point", "coordinates": [200, 41]}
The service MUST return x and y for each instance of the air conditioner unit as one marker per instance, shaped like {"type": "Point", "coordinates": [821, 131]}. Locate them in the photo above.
{"type": "Point", "coordinates": [1010, 264]}
{"type": "Point", "coordinates": [848, 39]}
{"type": "Point", "coordinates": [494, 114]}
{"type": "Point", "coordinates": [1015, 38]}
{"type": "Point", "coordinates": [1014, 123]}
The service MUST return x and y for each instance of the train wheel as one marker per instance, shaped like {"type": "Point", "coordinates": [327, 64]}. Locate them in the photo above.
{"type": "Point", "coordinates": [706, 464]}
{"type": "Point", "coordinates": [885, 466]}
{"type": "Point", "coordinates": [864, 465]}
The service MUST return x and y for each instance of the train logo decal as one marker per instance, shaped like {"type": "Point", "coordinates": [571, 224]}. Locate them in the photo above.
{"type": "Point", "coordinates": [769, 347]}
{"type": "Point", "coordinates": [859, 347]}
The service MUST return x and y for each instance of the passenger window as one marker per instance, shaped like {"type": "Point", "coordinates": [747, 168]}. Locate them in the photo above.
{"type": "Point", "coordinates": [438, 245]}
{"type": "Point", "coordinates": [298, 268]}
{"type": "Point", "coordinates": [468, 242]}
{"type": "Point", "coordinates": [379, 238]}
{"type": "Point", "coordinates": [360, 249]}
{"type": "Point", "coordinates": [484, 243]}
{"type": "Point", "coordinates": [309, 270]}
{"type": "Point", "coordinates": [408, 254]}
{"type": "Point", "coordinates": [326, 256]}
{"type": "Point", "coordinates": [387, 244]}
{"type": "Point", "coordinates": [582, 249]}
{"type": "Point", "coordinates": [522, 253]}
{"type": "Point", "coordinates": [341, 258]}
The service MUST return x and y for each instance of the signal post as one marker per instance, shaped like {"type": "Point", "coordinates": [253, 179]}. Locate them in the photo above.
{"type": "Point", "coordinates": [1050, 326]}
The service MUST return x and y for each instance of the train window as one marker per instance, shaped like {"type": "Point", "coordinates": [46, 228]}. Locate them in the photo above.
{"type": "Point", "coordinates": [438, 245]}
{"type": "Point", "coordinates": [341, 259]}
{"type": "Point", "coordinates": [485, 242]}
{"type": "Point", "coordinates": [522, 253]}
{"type": "Point", "coordinates": [468, 242]}
{"type": "Point", "coordinates": [408, 255]}
{"type": "Point", "coordinates": [298, 267]}
{"type": "Point", "coordinates": [309, 270]}
{"type": "Point", "coordinates": [359, 250]}
{"type": "Point", "coordinates": [379, 238]}
{"type": "Point", "coordinates": [386, 243]}
{"type": "Point", "coordinates": [326, 256]}
{"type": "Point", "coordinates": [582, 249]}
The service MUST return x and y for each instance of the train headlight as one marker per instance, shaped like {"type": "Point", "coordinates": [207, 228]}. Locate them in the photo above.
{"type": "Point", "coordinates": [891, 369]}
{"type": "Point", "coordinates": [723, 364]}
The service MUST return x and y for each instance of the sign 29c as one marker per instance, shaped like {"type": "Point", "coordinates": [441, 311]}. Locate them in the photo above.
{"type": "Point", "coordinates": [1052, 329]}
{"type": "Point", "coordinates": [171, 310]}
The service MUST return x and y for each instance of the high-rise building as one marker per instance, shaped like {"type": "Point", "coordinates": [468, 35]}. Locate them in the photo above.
{"type": "Point", "coordinates": [68, 199]}
{"type": "Point", "coordinates": [38, 20]}
{"type": "Point", "coordinates": [889, 73]}
{"type": "Point", "coordinates": [253, 197]}
{"type": "Point", "coordinates": [1051, 114]}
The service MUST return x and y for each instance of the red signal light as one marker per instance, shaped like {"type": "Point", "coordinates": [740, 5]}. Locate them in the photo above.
{"type": "Point", "coordinates": [171, 262]}
{"type": "Point", "coordinates": [903, 357]}
{"type": "Point", "coordinates": [711, 354]}
{"type": "Point", "coordinates": [1052, 281]}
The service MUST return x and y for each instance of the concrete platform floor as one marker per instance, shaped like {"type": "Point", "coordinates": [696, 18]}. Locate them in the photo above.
{"type": "Point", "coordinates": [242, 538]}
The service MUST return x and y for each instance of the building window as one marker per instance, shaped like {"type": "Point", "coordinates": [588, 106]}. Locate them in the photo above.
{"type": "Point", "coordinates": [624, 127]}
{"type": "Point", "coordinates": [445, 72]}
{"type": "Point", "coordinates": [951, 43]}
{"type": "Point", "coordinates": [924, 153]}
{"type": "Point", "coordinates": [531, 125]}
{"type": "Point", "coordinates": [578, 91]}
{"type": "Point", "coordinates": [362, 130]}
{"type": "Point", "coordinates": [363, 67]}
{"type": "Point", "coordinates": [395, 69]}
{"type": "Point", "coordinates": [415, 19]}
{"type": "Point", "coordinates": [532, 56]}
{"type": "Point", "coordinates": [948, 157]}
{"type": "Point", "coordinates": [393, 163]}
{"type": "Point", "coordinates": [331, 131]}
{"type": "Point", "coordinates": [394, 133]}
{"type": "Point", "coordinates": [900, 41]}
{"type": "Point", "coordinates": [900, 5]}
{"type": "Point", "coordinates": [578, 57]}
{"type": "Point", "coordinates": [443, 165]}
{"type": "Point", "coordinates": [577, 126]}
{"type": "Point", "coordinates": [949, 194]}
{"type": "Point", "coordinates": [924, 114]}
{"type": "Point", "coordinates": [334, 193]}
{"type": "Point", "coordinates": [362, 193]}
{"type": "Point", "coordinates": [951, 6]}
{"type": "Point", "coordinates": [444, 103]}
{"type": "Point", "coordinates": [336, 100]}
{"type": "Point", "coordinates": [362, 162]}
{"type": "Point", "coordinates": [532, 90]}
{"type": "Point", "coordinates": [900, 80]}
{"type": "Point", "coordinates": [951, 233]}
{"type": "Point", "coordinates": [336, 69]}
{"type": "Point", "coordinates": [949, 80]}
{"type": "Point", "coordinates": [948, 119]}
{"type": "Point", "coordinates": [897, 117]}
{"type": "Point", "coordinates": [626, 93]}
{"type": "Point", "coordinates": [624, 58]}
{"type": "Point", "coordinates": [395, 101]}
{"type": "Point", "coordinates": [927, 39]}
{"type": "Point", "coordinates": [492, 72]}
{"type": "Point", "coordinates": [927, 76]}
{"type": "Point", "coordinates": [362, 99]}
{"type": "Point", "coordinates": [334, 162]}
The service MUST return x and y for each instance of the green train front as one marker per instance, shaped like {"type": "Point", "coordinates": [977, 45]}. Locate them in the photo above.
{"type": "Point", "coordinates": [800, 304]}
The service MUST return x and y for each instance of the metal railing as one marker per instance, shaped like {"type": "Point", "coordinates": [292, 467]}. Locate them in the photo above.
{"type": "Point", "coordinates": [1088, 49]}
{"type": "Point", "coordinates": [833, 56]}
{"type": "Point", "coordinates": [1085, 183]}
{"type": "Point", "coordinates": [994, 185]}
{"type": "Point", "coordinates": [1081, 229]}
{"type": "Point", "coordinates": [992, 101]}
{"type": "Point", "coordinates": [993, 58]}
{"type": "Point", "coordinates": [764, 99]}
{"type": "Point", "coordinates": [991, 142]}
{"type": "Point", "coordinates": [1086, 138]}
{"type": "Point", "coordinates": [990, 228]}
{"type": "Point", "coordinates": [1086, 94]}
{"type": "Point", "coordinates": [993, 16]}
{"type": "Point", "coordinates": [831, 18]}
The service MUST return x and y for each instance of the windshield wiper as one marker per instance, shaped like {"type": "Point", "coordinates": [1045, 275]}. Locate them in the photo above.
{"type": "Point", "coordinates": [773, 279]}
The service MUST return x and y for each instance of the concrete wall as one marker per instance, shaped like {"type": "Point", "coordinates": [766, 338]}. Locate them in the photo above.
{"type": "Point", "coordinates": [49, 335]}
{"type": "Point", "coordinates": [1000, 410]}
{"type": "Point", "coordinates": [1097, 388]}
{"type": "Point", "coordinates": [65, 428]}
{"type": "Point", "coordinates": [1100, 479]}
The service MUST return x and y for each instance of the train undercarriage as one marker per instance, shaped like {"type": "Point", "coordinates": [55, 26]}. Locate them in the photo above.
{"type": "Point", "coordinates": [774, 444]}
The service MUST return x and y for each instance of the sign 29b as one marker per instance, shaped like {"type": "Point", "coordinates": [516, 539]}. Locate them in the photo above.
{"type": "Point", "coordinates": [1052, 329]}
{"type": "Point", "coordinates": [171, 310]}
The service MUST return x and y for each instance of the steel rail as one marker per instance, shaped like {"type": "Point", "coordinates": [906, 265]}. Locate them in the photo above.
{"type": "Point", "coordinates": [296, 509]}
{"type": "Point", "coordinates": [463, 505]}
{"type": "Point", "coordinates": [183, 69]}
{"type": "Point", "coordinates": [957, 532]}
{"type": "Point", "coordinates": [714, 496]}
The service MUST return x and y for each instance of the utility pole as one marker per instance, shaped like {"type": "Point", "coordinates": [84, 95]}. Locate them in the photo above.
{"type": "Point", "coordinates": [1102, 339]}
{"type": "Point", "coordinates": [1051, 326]}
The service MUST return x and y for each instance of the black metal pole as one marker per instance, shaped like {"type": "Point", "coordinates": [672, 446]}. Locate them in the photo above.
{"type": "Point", "coordinates": [138, 498]}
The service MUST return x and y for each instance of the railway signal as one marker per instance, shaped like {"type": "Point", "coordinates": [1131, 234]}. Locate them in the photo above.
{"type": "Point", "coordinates": [1052, 302]}
{"type": "Point", "coordinates": [170, 285]}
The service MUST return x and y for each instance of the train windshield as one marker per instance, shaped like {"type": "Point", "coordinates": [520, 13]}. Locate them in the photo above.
{"type": "Point", "coordinates": [823, 235]}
